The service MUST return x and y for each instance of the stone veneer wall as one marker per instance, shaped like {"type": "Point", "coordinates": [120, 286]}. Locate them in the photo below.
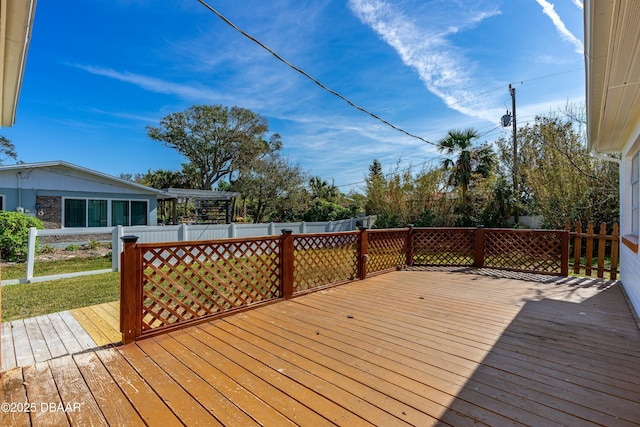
{"type": "Point", "coordinates": [49, 211]}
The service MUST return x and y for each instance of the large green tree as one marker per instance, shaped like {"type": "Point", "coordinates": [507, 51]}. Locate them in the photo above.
{"type": "Point", "coordinates": [559, 178]}
{"type": "Point", "coordinates": [376, 188]}
{"type": "Point", "coordinates": [217, 141]}
{"type": "Point", "coordinates": [327, 203]}
{"type": "Point", "coordinates": [273, 189]}
{"type": "Point", "coordinates": [161, 179]}
{"type": "Point", "coordinates": [7, 150]}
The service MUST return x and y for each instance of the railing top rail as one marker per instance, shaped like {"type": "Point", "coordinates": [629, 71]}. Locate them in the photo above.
{"type": "Point", "coordinates": [332, 233]}
{"type": "Point", "coordinates": [75, 231]}
{"type": "Point", "coordinates": [595, 235]}
{"type": "Point", "coordinates": [445, 228]}
{"type": "Point", "coordinates": [386, 230]}
{"type": "Point", "coordinates": [206, 242]}
{"type": "Point", "coordinates": [525, 230]}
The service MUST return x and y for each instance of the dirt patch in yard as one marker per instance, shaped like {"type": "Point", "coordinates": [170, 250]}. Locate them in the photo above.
{"type": "Point", "coordinates": [57, 254]}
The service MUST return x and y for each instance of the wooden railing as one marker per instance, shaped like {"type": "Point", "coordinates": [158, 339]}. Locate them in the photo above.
{"type": "Point", "coordinates": [588, 246]}
{"type": "Point", "coordinates": [165, 286]}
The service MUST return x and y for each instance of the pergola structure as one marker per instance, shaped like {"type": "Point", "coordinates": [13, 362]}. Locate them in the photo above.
{"type": "Point", "coordinates": [210, 206]}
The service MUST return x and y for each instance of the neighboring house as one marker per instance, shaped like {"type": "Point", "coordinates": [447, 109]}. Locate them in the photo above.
{"type": "Point", "coordinates": [64, 195]}
{"type": "Point", "coordinates": [612, 56]}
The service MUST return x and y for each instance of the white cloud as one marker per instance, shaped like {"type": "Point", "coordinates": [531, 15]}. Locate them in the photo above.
{"type": "Point", "coordinates": [154, 84]}
{"type": "Point", "coordinates": [578, 4]}
{"type": "Point", "coordinates": [444, 70]}
{"type": "Point", "coordinates": [550, 11]}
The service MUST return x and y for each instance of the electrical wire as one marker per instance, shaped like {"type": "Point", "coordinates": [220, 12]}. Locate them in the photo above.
{"type": "Point", "coordinates": [352, 104]}
{"type": "Point", "coordinates": [317, 82]}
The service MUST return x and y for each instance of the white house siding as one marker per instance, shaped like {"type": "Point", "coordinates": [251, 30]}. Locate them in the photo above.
{"type": "Point", "coordinates": [630, 275]}
{"type": "Point", "coordinates": [629, 260]}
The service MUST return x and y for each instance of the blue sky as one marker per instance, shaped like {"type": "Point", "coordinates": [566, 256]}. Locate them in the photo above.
{"type": "Point", "coordinates": [98, 72]}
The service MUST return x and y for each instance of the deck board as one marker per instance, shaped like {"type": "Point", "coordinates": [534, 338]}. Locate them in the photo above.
{"type": "Point", "coordinates": [222, 408]}
{"type": "Point", "coordinates": [100, 323]}
{"type": "Point", "coordinates": [8, 349]}
{"type": "Point", "coordinates": [42, 338]}
{"type": "Point", "coordinates": [36, 340]}
{"type": "Point", "coordinates": [404, 348]}
{"type": "Point", "coordinates": [115, 407]}
{"type": "Point", "coordinates": [52, 339]}
{"type": "Point", "coordinates": [39, 382]}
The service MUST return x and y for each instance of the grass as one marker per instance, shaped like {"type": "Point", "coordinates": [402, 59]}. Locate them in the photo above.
{"type": "Point", "coordinates": [46, 268]}
{"type": "Point", "coordinates": [36, 299]}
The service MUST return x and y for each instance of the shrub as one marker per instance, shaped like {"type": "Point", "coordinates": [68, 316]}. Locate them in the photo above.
{"type": "Point", "coordinates": [72, 247]}
{"type": "Point", "coordinates": [46, 249]}
{"type": "Point", "coordinates": [93, 244]}
{"type": "Point", "coordinates": [14, 234]}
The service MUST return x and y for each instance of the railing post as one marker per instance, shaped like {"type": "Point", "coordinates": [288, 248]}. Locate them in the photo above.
{"type": "Point", "coordinates": [589, 252]}
{"type": "Point", "coordinates": [478, 252]}
{"type": "Point", "coordinates": [31, 252]}
{"type": "Point", "coordinates": [183, 233]}
{"type": "Point", "coordinates": [615, 242]}
{"type": "Point", "coordinates": [564, 255]}
{"type": "Point", "coordinates": [602, 241]}
{"type": "Point", "coordinates": [116, 247]}
{"type": "Point", "coordinates": [409, 246]}
{"type": "Point", "coordinates": [130, 291]}
{"type": "Point", "coordinates": [286, 266]}
{"type": "Point", "coordinates": [577, 248]}
{"type": "Point", "coordinates": [363, 252]}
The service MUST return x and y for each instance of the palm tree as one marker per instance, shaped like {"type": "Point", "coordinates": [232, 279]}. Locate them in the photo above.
{"type": "Point", "coordinates": [464, 159]}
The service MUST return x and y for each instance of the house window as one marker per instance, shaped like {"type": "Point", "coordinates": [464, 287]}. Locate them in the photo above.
{"type": "Point", "coordinates": [138, 213]}
{"type": "Point", "coordinates": [97, 214]}
{"type": "Point", "coordinates": [125, 212]}
{"type": "Point", "coordinates": [1, 203]}
{"type": "Point", "coordinates": [104, 213]}
{"type": "Point", "coordinates": [635, 194]}
{"type": "Point", "coordinates": [75, 213]}
{"type": "Point", "coordinates": [120, 212]}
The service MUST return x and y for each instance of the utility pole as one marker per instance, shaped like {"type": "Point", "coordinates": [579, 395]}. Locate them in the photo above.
{"type": "Point", "coordinates": [516, 191]}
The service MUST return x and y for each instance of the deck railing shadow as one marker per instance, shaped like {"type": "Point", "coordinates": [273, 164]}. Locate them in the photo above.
{"type": "Point", "coordinates": [166, 286]}
{"type": "Point", "coordinates": [545, 368]}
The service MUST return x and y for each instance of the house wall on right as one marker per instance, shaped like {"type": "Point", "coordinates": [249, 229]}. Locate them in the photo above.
{"type": "Point", "coordinates": [630, 219]}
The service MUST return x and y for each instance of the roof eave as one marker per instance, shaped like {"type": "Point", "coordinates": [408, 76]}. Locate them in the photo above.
{"type": "Point", "coordinates": [16, 24]}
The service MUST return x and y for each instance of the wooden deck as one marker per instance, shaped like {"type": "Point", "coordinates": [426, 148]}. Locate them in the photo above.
{"type": "Point", "coordinates": [404, 348]}
{"type": "Point", "coordinates": [42, 338]}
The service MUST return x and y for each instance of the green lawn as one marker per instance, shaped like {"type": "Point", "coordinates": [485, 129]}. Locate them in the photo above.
{"type": "Point", "coordinates": [46, 268]}
{"type": "Point", "coordinates": [34, 299]}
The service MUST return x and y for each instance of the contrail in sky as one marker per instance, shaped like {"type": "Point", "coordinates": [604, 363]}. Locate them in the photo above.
{"type": "Point", "coordinates": [550, 11]}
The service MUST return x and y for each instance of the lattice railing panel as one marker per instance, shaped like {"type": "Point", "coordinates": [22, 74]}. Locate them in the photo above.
{"type": "Point", "coordinates": [387, 249]}
{"type": "Point", "coordinates": [440, 246]}
{"type": "Point", "coordinates": [185, 282]}
{"type": "Point", "coordinates": [537, 251]}
{"type": "Point", "coordinates": [324, 259]}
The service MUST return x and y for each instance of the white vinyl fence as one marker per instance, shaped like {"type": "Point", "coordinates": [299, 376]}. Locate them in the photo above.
{"type": "Point", "coordinates": [179, 233]}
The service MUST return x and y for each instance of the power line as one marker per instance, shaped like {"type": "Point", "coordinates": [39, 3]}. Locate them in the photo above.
{"type": "Point", "coordinates": [352, 104]}
{"type": "Point", "coordinates": [548, 75]}
{"type": "Point", "coordinates": [333, 92]}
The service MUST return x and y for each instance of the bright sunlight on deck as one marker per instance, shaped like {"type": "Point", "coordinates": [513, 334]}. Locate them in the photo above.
{"type": "Point", "coordinates": [403, 348]}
